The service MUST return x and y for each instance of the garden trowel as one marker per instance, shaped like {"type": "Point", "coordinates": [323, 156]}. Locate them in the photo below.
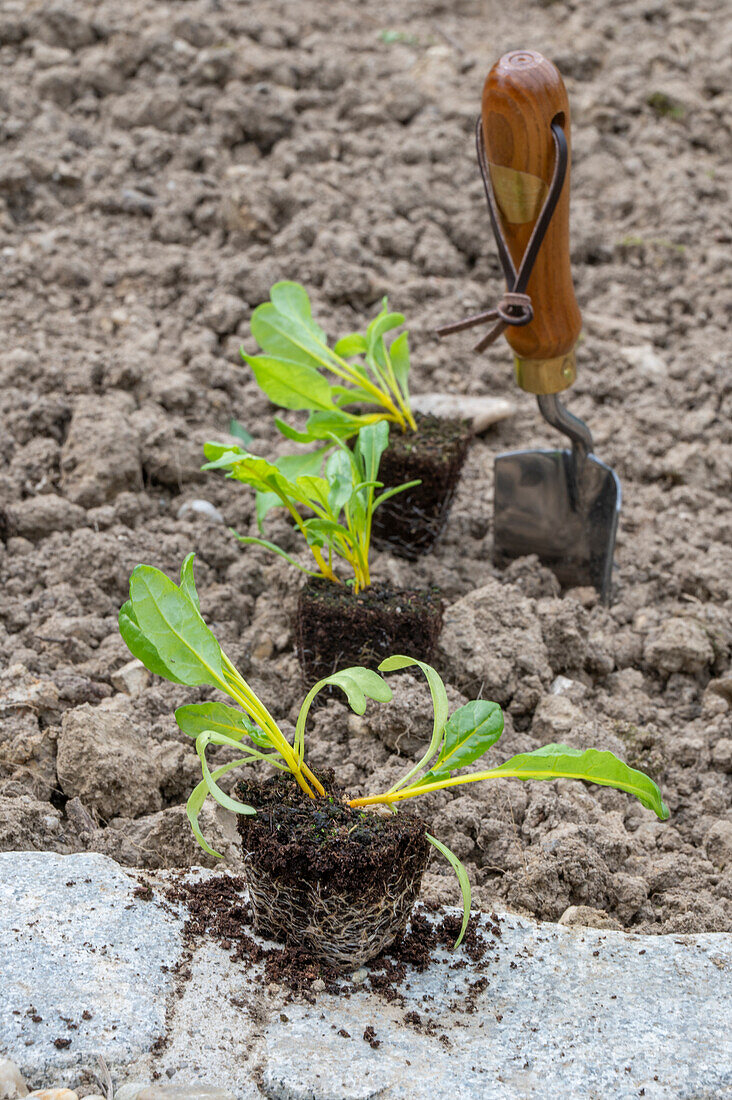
{"type": "Point", "coordinates": [562, 505]}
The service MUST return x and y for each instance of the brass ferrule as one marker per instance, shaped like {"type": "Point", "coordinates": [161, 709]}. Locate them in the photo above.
{"type": "Point", "coordinates": [543, 376]}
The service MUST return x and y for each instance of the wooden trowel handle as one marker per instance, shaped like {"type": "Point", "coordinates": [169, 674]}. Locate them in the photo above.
{"type": "Point", "coordinates": [522, 96]}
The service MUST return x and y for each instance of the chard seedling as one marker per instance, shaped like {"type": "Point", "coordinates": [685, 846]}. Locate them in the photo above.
{"type": "Point", "coordinates": [296, 365]}
{"type": "Point", "coordinates": [342, 501]}
{"type": "Point", "coordinates": [162, 626]}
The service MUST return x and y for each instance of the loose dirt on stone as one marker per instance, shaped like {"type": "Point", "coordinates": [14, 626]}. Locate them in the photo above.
{"type": "Point", "coordinates": [163, 165]}
{"type": "Point", "coordinates": [216, 906]}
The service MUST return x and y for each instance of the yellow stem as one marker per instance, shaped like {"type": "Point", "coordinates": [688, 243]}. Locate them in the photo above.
{"type": "Point", "coordinates": [366, 384]}
{"type": "Point", "coordinates": [314, 780]}
{"type": "Point", "coordinates": [413, 792]}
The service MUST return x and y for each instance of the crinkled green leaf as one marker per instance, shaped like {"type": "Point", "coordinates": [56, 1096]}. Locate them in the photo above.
{"type": "Point", "coordinates": [174, 628]}
{"type": "Point", "coordinates": [468, 733]}
{"type": "Point", "coordinates": [591, 765]}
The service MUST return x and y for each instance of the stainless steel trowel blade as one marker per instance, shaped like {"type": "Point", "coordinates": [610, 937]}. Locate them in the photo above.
{"type": "Point", "coordinates": [566, 514]}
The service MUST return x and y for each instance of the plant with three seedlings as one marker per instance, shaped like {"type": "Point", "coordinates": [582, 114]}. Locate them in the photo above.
{"type": "Point", "coordinates": [162, 626]}
{"type": "Point", "coordinates": [342, 502]}
{"type": "Point", "coordinates": [296, 361]}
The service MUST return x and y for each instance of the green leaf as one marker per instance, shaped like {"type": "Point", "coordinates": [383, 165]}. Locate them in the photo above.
{"type": "Point", "coordinates": [291, 466]}
{"type": "Point", "coordinates": [314, 489]}
{"type": "Point", "coordinates": [358, 683]}
{"type": "Point", "coordinates": [292, 299]}
{"type": "Point", "coordinates": [291, 385]}
{"type": "Point", "coordinates": [322, 532]}
{"type": "Point", "coordinates": [440, 706]}
{"type": "Point", "coordinates": [196, 718]}
{"type": "Point", "coordinates": [223, 799]}
{"type": "Point", "coordinates": [264, 503]}
{"type": "Point", "coordinates": [250, 539]}
{"type": "Point", "coordinates": [187, 581]}
{"type": "Point", "coordinates": [140, 646]}
{"type": "Point", "coordinates": [221, 454]}
{"type": "Point", "coordinates": [324, 425]}
{"type": "Point", "coordinates": [353, 344]}
{"type": "Point", "coordinates": [399, 355]}
{"type": "Point", "coordinates": [437, 690]}
{"type": "Point", "coordinates": [371, 443]}
{"type": "Point", "coordinates": [297, 465]}
{"type": "Point", "coordinates": [293, 433]}
{"type": "Point", "coordinates": [174, 627]}
{"type": "Point", "coordinates": [469, 733]}
{"type": "Point", "coordinates": [290, 337]}
{"type": "Point", "coordinates": [462, 876]}
{"type": "Point", "coordinates": [590, 765]}
{"type": "Point", "coordinates": [382, 324]}
{"type": "Point", "coordinates": [195, 802]}
{"type": "Point", "coordinates": [237, 429]}
{"type": "Point", "coordinates": [393, 492]}
{"type": "Point", "coordinates": [249, 469]}
{"type": "Point", "coordinates": [339, 472]}
{"type": "Point", "coordinates": [350, 395]}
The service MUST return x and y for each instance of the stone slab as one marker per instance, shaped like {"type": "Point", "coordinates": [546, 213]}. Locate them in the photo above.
{"type": "Point", "coordinates": [75, 940]}
{"type": "Point", "coordinates": [576, 1013]}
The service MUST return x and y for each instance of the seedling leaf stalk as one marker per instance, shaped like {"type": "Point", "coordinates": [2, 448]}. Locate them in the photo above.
{"type": "Point", "coordinates": [162, 626]}
{"type": "Point", "coordinates": [298, 370]}
{"type": "Point", "coordinates": [342, 500]}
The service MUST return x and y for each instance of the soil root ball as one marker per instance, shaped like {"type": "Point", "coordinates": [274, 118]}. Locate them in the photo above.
{"type": "Point", "coordinates": [336, 881]}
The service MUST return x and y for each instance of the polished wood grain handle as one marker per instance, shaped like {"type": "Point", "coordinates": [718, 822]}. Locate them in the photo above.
{"type": "Point", "coordinates": [522, 96]}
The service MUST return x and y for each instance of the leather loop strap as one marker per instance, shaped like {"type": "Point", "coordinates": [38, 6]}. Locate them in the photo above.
{"type": "Point", "coordinates": [515, 306]}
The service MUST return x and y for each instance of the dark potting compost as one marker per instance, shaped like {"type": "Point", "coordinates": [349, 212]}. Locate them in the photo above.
{"type": "Point", "coordinates": [336, 628]}
{"type": "Point", "coordinates": [410, 523]}
{"type": "Point", "coordinates": [336, 881]}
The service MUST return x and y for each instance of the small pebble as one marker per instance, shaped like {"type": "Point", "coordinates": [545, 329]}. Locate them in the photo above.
{"type": "Point", "coordinates": [12, 1085]}
{"type": "Point", "coordinates": [130, 1090]}
{"type": "Point", "coordinates": [200, 508]}
{"type": "Point", "coordinates": [54, 1094]}
{"type": "Point", "coordinates": [359, 976]}
{"type": "Point", "coordinates": [318, 986]}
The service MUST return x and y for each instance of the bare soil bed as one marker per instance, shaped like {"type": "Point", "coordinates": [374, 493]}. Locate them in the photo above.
{"type": "Point", "coordinates": [162, 165]}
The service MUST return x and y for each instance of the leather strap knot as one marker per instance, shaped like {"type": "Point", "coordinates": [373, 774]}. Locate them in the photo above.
{"type": "Point", "coordinates": [515, 309]}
